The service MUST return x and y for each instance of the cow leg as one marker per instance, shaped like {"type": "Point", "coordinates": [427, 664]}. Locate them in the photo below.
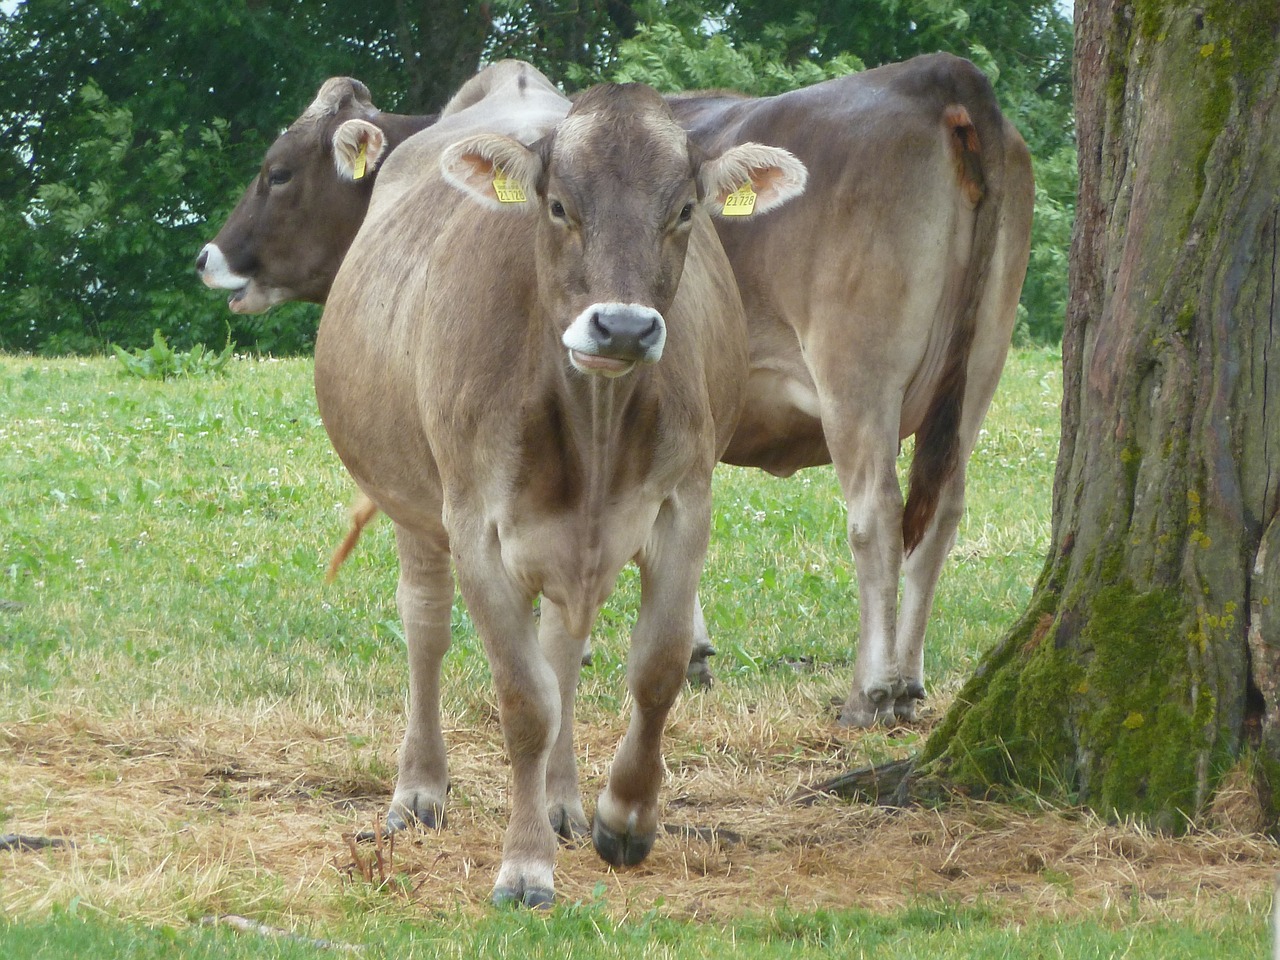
{"type": "Point", "coordinates": [699, 672]}
{"type": "Point", "coordinates": [529, 705]}
{"type": "Point", "coordinates": [865, 465]}
{"type": "Point", "coordinates": [923, 567]}
{"type": "Point", "coordinates": [424, 597]}
{"type": "Point", "coordinates": [626, 818]}
{"type": "Point", "coordinates": [565, 654]}
{"type": "Point", "coordinates": [921, 571]}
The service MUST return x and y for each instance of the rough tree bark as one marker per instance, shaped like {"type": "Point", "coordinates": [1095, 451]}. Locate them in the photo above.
{"type": "Point", "coordinates": [1147, 666]}
{"type": "Point", "coordinates": [442, 44]}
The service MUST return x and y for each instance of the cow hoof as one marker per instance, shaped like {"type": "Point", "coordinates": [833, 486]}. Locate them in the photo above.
{"type": "Point", "coordinates": [860, 711]}
{"type": "Point", "coordinates": [403, 816]}
{"type": "Point", "coordinates": [535, 898]}
{"type": "Point", "coordinates": [624, 849]}
{"type": "Point", "coordinates": [431, 816]}
{"type": "Point", "coordinates": [698, 673]}
{"type": "Point", "coordinates": [904, 708]}
{"type": "Point", "coordinates": [569, 825]}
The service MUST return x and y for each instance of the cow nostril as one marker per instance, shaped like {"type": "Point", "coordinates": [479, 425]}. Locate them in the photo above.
{"type": "Point", "coordinates": [650, 335]}
{"type": "Point", "coordinates": [598, 330]}
{"type": "Point", "coordinates": [201, 260]}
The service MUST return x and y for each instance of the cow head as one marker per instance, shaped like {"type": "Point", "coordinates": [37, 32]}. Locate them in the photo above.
{"type": "Point", "coordinates": [289, 232]}
{"type": "Point", "coordinates": [617, 188]}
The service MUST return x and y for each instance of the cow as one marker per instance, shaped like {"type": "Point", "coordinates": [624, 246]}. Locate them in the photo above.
{"type": "Point", "coordinates": [286, 237]}
{"type": "Point", "coordinates": [893, 317]}
{"type": "Point", "coordinates": [531, 360]}
{"type": "Point", "coordinates": [880, 305]}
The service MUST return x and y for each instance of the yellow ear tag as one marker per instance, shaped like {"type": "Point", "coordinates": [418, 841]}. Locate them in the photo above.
{"type": "Point", "coordinates": [508, 191]}
{"type": "Point", "coordinates": [358, 173]}
{"type": "Point", "coordinates": [740, 203]}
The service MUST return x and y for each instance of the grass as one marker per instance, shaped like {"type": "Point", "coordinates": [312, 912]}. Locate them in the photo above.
{"type": "Point", "coordinates": [187, 701]}
{"type": "Point", "coordinates": [932, 931]}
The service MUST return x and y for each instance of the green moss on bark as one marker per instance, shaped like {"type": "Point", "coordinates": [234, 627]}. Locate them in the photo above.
{"type": "Point", "coordinates": [1138, 717]}
{"type": "Point", "coordinates": [1096, 704]}
{"type": "Point", "coordinates": [1010, 728]}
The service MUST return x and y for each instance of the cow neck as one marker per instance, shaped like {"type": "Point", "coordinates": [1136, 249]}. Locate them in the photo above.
{"type": "Point", "coordinates": [601, 415]}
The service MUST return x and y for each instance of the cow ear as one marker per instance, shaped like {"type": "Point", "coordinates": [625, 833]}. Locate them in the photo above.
{"type": "Point", "coordinates": [495, 170]}
{"type": "Point", "coordinates": [358, 148]}
{"type": "Point", "coordinates": [751, 178]}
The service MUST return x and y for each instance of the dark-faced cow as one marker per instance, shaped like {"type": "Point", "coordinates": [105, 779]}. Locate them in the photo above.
{"type": "Point", "coordinates": [295, 221]}
{"type": "Point", "coordinates": [531, 359]}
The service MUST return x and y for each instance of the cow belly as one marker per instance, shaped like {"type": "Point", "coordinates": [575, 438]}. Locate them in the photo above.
{"type": "Point", "coordinates": [780, 429]}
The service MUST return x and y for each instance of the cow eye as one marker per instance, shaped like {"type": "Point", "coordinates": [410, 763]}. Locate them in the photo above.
{"type": "Point", "coordinates": [279, 176]}
{"type": "Point", "coordinates": [686, 213]}
{"type": "Point", "coordinates": [557, 210]}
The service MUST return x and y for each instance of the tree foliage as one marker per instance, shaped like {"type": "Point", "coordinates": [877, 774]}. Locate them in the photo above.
{"type": "Point", "coordinates": [128, 128]}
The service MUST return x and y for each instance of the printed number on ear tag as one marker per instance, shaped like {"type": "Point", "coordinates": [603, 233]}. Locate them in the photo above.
{"type": "Point", "coordinates": [740, 203]}
{"type": "Point", "coordinates": [508, 191]}
{"type": "Point", "coordinates": [358, 173]}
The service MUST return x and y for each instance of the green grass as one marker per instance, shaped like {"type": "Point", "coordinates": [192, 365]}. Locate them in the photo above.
{"type": "Point", "coordinates": [181, 527]}
{"type": "Point", "coordinates": [927, 932]}
{"type": "Point", "coordinates": [162, 548]}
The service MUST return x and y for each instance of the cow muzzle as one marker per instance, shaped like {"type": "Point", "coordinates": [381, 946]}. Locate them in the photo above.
{"type": "Point", "coordinates": [215, 272]}
{"type": "Point", "coordinates": [246, 296]}
{"type": "Point", "coordinates": [611, 338]}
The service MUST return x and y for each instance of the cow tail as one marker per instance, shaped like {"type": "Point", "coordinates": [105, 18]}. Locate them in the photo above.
{"type": "Point", "coordinates": [362, 512]}
{"type": "Point", "coordinates": [937, 451]}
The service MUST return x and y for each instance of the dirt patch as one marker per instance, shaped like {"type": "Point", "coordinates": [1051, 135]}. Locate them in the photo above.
{"type": "Point", "coordinates": [175, 815]}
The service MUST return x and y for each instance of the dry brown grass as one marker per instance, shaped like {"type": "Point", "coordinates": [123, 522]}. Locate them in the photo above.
{"type": "Point", "coordinates": [178, 813]}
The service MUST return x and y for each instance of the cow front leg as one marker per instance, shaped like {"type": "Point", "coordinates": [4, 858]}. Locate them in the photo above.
{"type": "Point", "coordinates": [529, 708]}
{"type": "Point", "coordinates": [921, 570]}
{"type": "Point", "coordinates": [424, 598]}
{"type": "Point", "coordinates": [868, 476]}
{"type": "Point", "coordinates": [626, 818]}
{"type": "Point", "coordinates": [564, 651]}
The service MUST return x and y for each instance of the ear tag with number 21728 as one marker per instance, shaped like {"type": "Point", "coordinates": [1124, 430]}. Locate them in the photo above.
{"type": "Point", "coordinates": [740, 203]}
{"type": "Point", "coordinates": [508, 191]}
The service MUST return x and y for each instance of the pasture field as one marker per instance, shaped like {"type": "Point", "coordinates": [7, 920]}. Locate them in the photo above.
{"type": "Point", "coordinates": [204, 722]}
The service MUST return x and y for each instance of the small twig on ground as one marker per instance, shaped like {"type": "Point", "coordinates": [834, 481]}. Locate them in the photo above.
{"type": "Point", "coordinates": [726, 838]}
{"type": "Point", "coordinates": [245, 925]}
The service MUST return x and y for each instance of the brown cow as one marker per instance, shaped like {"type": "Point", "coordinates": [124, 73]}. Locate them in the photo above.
{"type": "Point", "coordinates": [291, 228]}
{"type": "Point", "coordinates": [880, 305]}
{"type": "Point", "coordinates": [892, 316]}
{"type": "Point", "coordinates": [534, 378]}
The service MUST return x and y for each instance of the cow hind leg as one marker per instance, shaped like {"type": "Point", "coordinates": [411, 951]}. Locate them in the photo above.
{"type": "Point", "coordinates": [564, 652]}
{"type": "Point", "coordinates": [425, 600]}
{"type": "Point", "coordinates": [869, 479]}
{"type": "Point", "coordinates": [921, 570]}
{"type": "Point", "coordinates": [699, 670]}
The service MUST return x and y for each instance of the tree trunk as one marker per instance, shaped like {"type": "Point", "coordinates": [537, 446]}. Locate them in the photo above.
{"type": "Point", "coordinates": [441, 44]}
{"type": "Point", "coordinates": [1147, 666]}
